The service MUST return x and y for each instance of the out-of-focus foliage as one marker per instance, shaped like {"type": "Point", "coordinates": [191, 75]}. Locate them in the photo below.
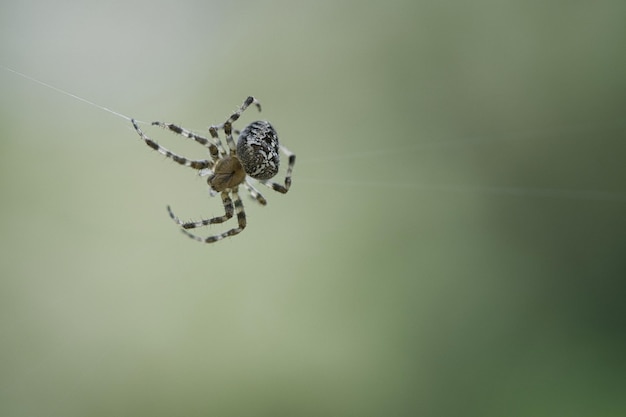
{"type": "Point", "coordinates": [453, 243]}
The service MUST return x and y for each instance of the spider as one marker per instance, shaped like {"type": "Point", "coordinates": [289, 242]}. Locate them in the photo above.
{"type": "Point", "coordinates": [255, 155]}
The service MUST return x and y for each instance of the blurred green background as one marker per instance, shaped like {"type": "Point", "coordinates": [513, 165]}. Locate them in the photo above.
{"type": "Point", "coordinates": [454, 243]}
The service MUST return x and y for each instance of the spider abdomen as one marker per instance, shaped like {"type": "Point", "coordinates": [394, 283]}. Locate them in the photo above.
{"type": "Point", "coordinates": [257, 149]}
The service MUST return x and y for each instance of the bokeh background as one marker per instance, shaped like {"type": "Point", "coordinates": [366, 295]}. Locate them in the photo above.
{"type": "Point", "coordinates": [454, 242]}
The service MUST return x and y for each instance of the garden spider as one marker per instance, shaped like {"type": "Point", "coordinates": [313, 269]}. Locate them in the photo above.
{"type": "Point", "coordinates": [256, 155]}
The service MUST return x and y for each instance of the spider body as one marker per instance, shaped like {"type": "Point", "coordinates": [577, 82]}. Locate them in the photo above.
{"type": "Point", "coordinates": [256, 155]}
{"type": "Point", "coordinates": [257, 148]}
{"type": "Point", "coordinates": [227, 173]}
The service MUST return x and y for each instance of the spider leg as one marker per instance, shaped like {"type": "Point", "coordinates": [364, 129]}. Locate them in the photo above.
{"type": "Point", "coordinates": [214, 149]}
{"type": "Point", "coordinates": [254, 192]}
{"type": "Point", "coordinates": [280, 187]}
{"type": "Point", "coordinates": [228, 124]}
{"type": "Point", "coordinates": [195, 164]}
{"type": "Point", "coordinates": [229, 205]}
{"type": "Point", "coordinates": [228, 213]}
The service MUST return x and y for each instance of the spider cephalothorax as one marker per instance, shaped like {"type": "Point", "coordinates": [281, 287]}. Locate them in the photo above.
{"type": "Point", "coordinates": [227, 173]}
{"type": "Point", "coordinates": [256, 155]}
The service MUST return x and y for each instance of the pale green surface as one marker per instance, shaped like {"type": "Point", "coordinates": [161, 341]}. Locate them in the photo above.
{"type": "Point", "coordinates": [432, 258]}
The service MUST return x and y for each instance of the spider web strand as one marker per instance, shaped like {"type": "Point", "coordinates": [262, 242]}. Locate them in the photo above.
{"type": "Point", "coordinates": [67, 93]}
